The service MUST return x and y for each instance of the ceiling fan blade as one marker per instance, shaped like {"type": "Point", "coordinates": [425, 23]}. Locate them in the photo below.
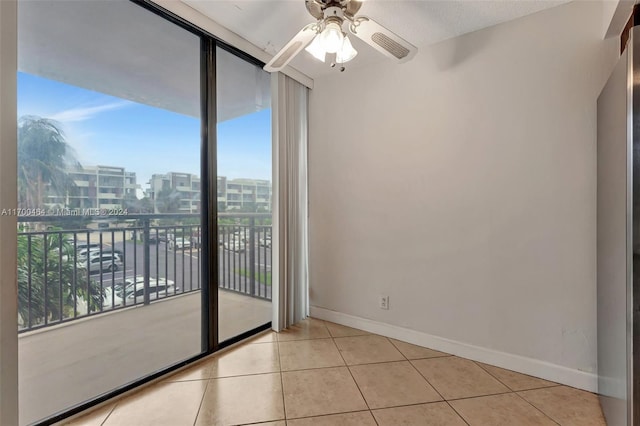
{"type": "Point", "coordinates": [291, 49]}
{"type": "Point", "coordinates": [314, 8]}
{"type": "Point", "coordinates": [382, 39]}
{"type": "Point", "coordinates": [352, 7]}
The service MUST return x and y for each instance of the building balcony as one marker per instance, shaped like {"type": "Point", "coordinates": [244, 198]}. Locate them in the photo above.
{"type": "Point", "coordinates": [109, 323]}
{"type": "Point", "coordinates": [153, 336]}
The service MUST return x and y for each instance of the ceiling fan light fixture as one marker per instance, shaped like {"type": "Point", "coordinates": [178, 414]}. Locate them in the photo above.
{"type": "Point", "coordinates": [346, 52]}
{"type": "Point", "coordinates": [325, 40]}
{"type": "Point", "coordinates": [316, 49]}
{"type": "Point", "coordinates": [331, 37]}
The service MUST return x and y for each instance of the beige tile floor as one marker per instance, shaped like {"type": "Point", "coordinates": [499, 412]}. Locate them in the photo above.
{"type": "Point", "coordinates": [324, 374]}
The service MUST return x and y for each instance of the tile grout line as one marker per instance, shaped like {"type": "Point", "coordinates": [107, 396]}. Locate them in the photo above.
{"type": "Point", "coordinates": [397, 348]}
{"type": "Point", "coordinates": [330, 414]}
{"type": "Point", "coordinates": [536, 408]}
{"type": "Point", "coordinates": [430, 384]}
{"type": "Point", "coordinates": [457, 413]}
{"type": "Point", "coordinates": [437, 391]}
{"type": "Point", "coordinates": [546, 387]}
{"type": "Point", "coordinates": [427, 380]}
{"type": "Point", "coordinates": [201, 401]}
{"type": "Point", "coordinates": [514, 391]}
{"type": "Point", "coordinates": [284, 404]}
{"type": "Point", "coordinates": [510, 391]}
{"type": "Point", "coordinates": [297, 340]}
{"type": "Point", "coordinates": [231, 377]}
{"type": "Point", "coordinates": [312, 368]}
{"type": "Point", "coordinates": [354, 380]}
{"type": "Point", "coordinates": [492, 375]}
{"type": "Point", "coordinates": [278, 341]}
{"type": "Point", "coordinates": [109, 414]}
{"type": "Point", "coordinates": [480, 396]}
{"type": "Point", "coordinates": [373, 417]}
{"type": "Point", "coordinates": [414, 404]}
{"type": "Point", "coordinates": [509, 387]}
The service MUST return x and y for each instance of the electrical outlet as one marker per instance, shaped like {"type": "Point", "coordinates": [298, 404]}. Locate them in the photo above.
{"type": "Point", "coordinates": [384, 302]}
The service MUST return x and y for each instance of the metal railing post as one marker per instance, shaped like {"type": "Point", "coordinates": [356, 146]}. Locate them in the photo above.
{"type": "Point", "coordinates": [147, 260]}
{"type": "Point", "coordinates": [252, 254]}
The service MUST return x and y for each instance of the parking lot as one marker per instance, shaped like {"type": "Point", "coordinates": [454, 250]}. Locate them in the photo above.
{"type": "Point", "coordinates": [182, 266]}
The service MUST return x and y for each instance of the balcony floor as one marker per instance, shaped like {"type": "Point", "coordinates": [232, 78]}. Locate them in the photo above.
{"type": "Point", "coordinates": [61, 366]}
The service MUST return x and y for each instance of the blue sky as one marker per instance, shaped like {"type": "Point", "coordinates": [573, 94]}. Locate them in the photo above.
{"type": "Point", "coordinates": [104, 130]}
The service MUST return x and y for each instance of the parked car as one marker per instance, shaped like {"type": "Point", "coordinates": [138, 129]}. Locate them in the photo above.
{"type": "Point", "coordinates": [82, 255]}
{"type": "Point", "coordinates": [179, 243]}
{"type": "Point", "coordinates": [109, 297]}
{"type": "Point", "coordinates": [84, 246]}
{"type": "Point", "coordinates": [110, 300]}
{"type": "Point", "coordinates": [265, 242]}
{"type": "Point", "coordinates": [158, 288]}
{"type": "Point", "coordinates": [101, 262]}
{"type": "Point", "coordinates": [235, 245]}
{"type": "Point", "coordinates": [241, 236]}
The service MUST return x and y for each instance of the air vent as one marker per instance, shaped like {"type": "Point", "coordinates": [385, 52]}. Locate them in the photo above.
{"type": "Point", "coordinates": [391, 46]}
{"type": "Point", "coordinates": [284, 56]}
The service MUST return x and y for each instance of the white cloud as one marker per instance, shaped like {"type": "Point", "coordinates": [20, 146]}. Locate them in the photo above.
{"type": "Point", "coordinates": [82, 114]}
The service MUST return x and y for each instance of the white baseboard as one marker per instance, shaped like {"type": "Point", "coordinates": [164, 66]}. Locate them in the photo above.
{"type": "Point", "coordinates": [533, 367]}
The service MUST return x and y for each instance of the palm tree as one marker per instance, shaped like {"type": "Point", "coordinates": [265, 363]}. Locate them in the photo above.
{"type": "Point", "coordinates": [56, 272]}
{"type": "Point", "coordinates": [44, 156]}
{"type": "Point", "coordinates": [135, 205]}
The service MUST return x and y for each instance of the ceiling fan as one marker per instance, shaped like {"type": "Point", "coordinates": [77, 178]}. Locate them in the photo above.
{"type": "Point", "coordinates": [326, 40]}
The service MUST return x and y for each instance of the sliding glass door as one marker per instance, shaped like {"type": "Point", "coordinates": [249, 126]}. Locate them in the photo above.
{"type": "Point", "coordinates": [110, 237]}
{"type": "Point", "coordinates": [145, 199]}
{"type": "Point", "coordinates": [244, 195]}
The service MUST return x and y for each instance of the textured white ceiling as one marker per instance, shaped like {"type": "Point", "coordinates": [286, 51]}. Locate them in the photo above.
{"type": "Point", "coordinates": [269, 24]}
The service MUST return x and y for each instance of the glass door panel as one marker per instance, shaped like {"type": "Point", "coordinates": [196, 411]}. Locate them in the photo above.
{"type": "Point", "coordinates": [244, 195]}
{"type": "Point", "coordinates": [109, 195]}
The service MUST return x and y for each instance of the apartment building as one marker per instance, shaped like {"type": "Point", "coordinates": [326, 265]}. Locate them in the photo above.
{"type": "Point", "coordinates": [180, 192]}
{"type": "Point", "coordinates": [244, 194]}
{"type": "Point", "coordinates": [101, 187]}
{"type": "Point", "coordinates": [175, 192]}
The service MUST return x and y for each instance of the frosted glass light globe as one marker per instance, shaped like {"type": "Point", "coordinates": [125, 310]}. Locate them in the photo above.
{"type": "Point", "coordinates": [331, 37]}
{"type": "Point", "coordinates": [346, 52]}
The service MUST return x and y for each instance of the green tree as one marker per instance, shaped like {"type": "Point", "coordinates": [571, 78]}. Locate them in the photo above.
{"type": "Point", "coordinates": [62, 278]}
{"type": "Point", "coordinates": [44, 156]}
{"type": "Point", "coordinates": [248, 207]}
{"type": "Point", "coordinates": [135, 205]}
{"type": "Point", "coordinates": [168, 201]}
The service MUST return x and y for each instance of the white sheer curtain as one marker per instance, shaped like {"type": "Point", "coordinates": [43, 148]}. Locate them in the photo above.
{"type": "Point", "coordinates": [290, 251]}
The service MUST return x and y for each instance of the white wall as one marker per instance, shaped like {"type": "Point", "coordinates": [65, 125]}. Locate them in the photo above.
{"type": "Point", "coordinates": [8, 200]}
{"type": "Point", "coordinates": [463, 185]}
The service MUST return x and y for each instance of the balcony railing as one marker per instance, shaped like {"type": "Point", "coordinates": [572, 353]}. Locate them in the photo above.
{"type": "Point", "coordinates": [71, 268]}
